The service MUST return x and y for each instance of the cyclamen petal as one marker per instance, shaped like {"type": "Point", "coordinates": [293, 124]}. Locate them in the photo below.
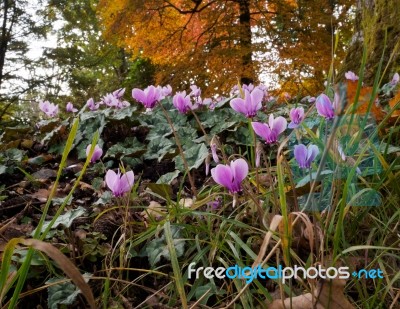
{"type": "Point", "coordinates": [279, 125]}
{"type": "Point", "coordinates": [351, 76]}
{"type": "Point", "coordinates": [251, 103]}
{"type": "Point", "coordinates": [112, 180]}
{"type": "Point", "coordinates": [148, 97]}
{"type": "Point", "coordinates": [325, 107]}
{"type": "Point", "coordinates": [240, 169]}
{"type": "Point", "coordinates": [231, 176]}
{"type": "Point", "coordinates": [296, 116]}
{"type": "Point", "coordinates": [70, 108]}
{"type": "Point", "coordinates": [182, 102]}
{"type": "Point", "coordinates": [118, 184]}
{"type": "Point", "coordinates": [97, 153]}
{"type": "Point", "coordinates": [222, 175]}
{"type": "Point", "coordinates": [48, 108]}
{"type": "Point", "coordinates": [305, 156]}
{"type": "Point", "coordinates": [395, 80]}
{"type": "Point", "coordinates": [127, 181]}
{"type": "Point", "coordinates": [270, 132]}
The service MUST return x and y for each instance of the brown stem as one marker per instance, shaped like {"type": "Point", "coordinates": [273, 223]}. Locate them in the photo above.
{"type": "Point", "coordinates": [178, 143]}
{"type": "Point", "coordinates": [201, 126]}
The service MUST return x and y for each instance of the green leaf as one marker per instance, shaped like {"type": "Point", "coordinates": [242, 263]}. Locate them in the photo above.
{"type": "Point", "coordinates": [168, 177]}
{"type": "Point", "coordinates": [130, 147]}
{"type": "Point", "coordinates": [65, 219]}
{"type": "Point", "coordinates": [158, 247]}
{"type": "Point", "coordinates": [64, 293]}
{"type": "Point", "coordinates": [158, 148]}
{"type": "Point", "coordinates": [306, 179]}
{"type": "Point", "coordinates": [163, 190]}
{"type": "Point", "coordinates": [194, 156]}
{"type": "Point", "coordinates": [123, 113]}
{"type": "Point", "coordinates": [104, 199]}
{"type": "Point", "coordinates": [15, 154]}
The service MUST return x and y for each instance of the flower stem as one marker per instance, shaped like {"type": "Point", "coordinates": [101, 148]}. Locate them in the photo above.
{"type": "Point", "coordinates": [201, 126]}
{"type": "Point", "coordinates": [252, 150]}
{"type": "Point", "coordinates": [178, 143]}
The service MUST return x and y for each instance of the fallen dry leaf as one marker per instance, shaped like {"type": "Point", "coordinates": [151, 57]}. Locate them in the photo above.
{"type": "Point", "coordinates": [154, 210]}
{"type": "Point", "coordinates": [329, 294]}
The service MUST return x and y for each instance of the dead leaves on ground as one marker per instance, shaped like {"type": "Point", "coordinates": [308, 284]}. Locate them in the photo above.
{"type": "Point", "coordinates": [329, 294]}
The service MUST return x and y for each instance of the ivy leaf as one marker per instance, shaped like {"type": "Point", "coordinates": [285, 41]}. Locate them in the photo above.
{"type": "Point", "coordinates": [65, 219]}
{"type": "Point", "coordinates": [158, 247]}
{"type": "Point", "coordinates": [168, 177]}
{"type": "Point", "coordinates": [306, 179]}
{"type": "Point", "coordinates": [158, 148]}
{"type": "Point", "coordinates": [64, 293]}
{"type": "Point", "coordinates": [130, 147]}
{"type": "Point", "coordinates": [123, 113]}
{"type": "Point", "coordinates": [194, 156]}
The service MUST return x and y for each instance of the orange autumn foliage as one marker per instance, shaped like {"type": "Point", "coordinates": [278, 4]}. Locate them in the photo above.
{"type": "Point", "coordinates": [360, 107]}
{"type": "Point", "coordinates": [207, 42]}
{"type": "Point", "coordinates": [393, 102]}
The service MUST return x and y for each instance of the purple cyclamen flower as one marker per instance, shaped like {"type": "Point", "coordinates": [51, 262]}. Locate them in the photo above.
{"type": "Point", "coordinates": [196, 91]}
{"type": "Point", "coordinates": [214, 152]}
{"type": "Point", "coordinates": [325, 106]}
{"type": "Point", "coordinates": [182, 102]}
{"type": "Point", "coordinates": [91, 105]}
{"type": "Point", "coordinates": [270, 132]}
{"type": "Point", "coordinates": [114, 99]}
{"type": "Point", "coordinates": [248, 87]}
{"type": "Point", "coordinates": [97, 153]}
{"type": "Point", "coordinates": [70, 108]}
{"type": "Point", "coordinates": [118, 94]}
{"type": "Point", "coordinates": [231, 176]}
{"type": "Point", "coordinates": [351, 76]}
{"type": "Point", "coordinates": [214, 205]}
{"type": "Point", "coordinates": [304, 156]}
{"type": "Point", "coordinates": [296, 116]}
{"type": "Point", "coordinates": [395, 80]}
{"type": "Point", "coordinates": [148, 97]}
{"type": "Point", "coordinates": [251, 103]}
{"type": "Point", "coordinates": [119, 184]}
{"type": "Point", "coordinates": [166, 90]}
{"type": "Point", "coordinates": [48, 108]}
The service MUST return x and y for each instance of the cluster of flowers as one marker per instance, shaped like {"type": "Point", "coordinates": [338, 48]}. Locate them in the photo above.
{"type": "Point", "coordinates": [231, 175]}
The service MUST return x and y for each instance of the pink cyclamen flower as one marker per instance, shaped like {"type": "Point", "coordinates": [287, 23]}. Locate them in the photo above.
{"type": "Point", "coordinates": [395, 80]}
{"type": "Point", "coordinates": [325, 106]}
{"type": "Point", "coordinates": [251, 103]}
{"type": "Point", "coordinates": [148, 97]}
{"type": "Point", "coordinates": [305, 155]}
{"type": "Point", "coordinates": [119, 93]}
{"type": "Point", "coordinates": [48, 108]}
{"type": "Point", "coordinates": [351, 76]}
{"type": "Point", "coordinates": [270, 132]}
{"type": "Point", "coordinates": [196, 91]}
{"type": "Point", "coordinates": [231, 176]}
{"type": "Point", "coordinates": [296, 116]}
{"type": "Point", "coordinates": [70, 108]}
{"type": "Point", "coordinates": [166, 90]}
{"type": "Point", "coordinates": [97, 153]}
{"type": "Point", "coordinates": [119, 184]}
{"type": "Point", "coordinates": [182, 102]}
{"type": "Point", "coordinates": [91, 105]}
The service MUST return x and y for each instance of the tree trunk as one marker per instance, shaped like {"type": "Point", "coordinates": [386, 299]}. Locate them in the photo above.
{"type": "Point", "coordinates": [4, 38]}
{"type": "Point", "coordinates": [247, 74]}
{"type": "Point", "coordinates": [374, 18]}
